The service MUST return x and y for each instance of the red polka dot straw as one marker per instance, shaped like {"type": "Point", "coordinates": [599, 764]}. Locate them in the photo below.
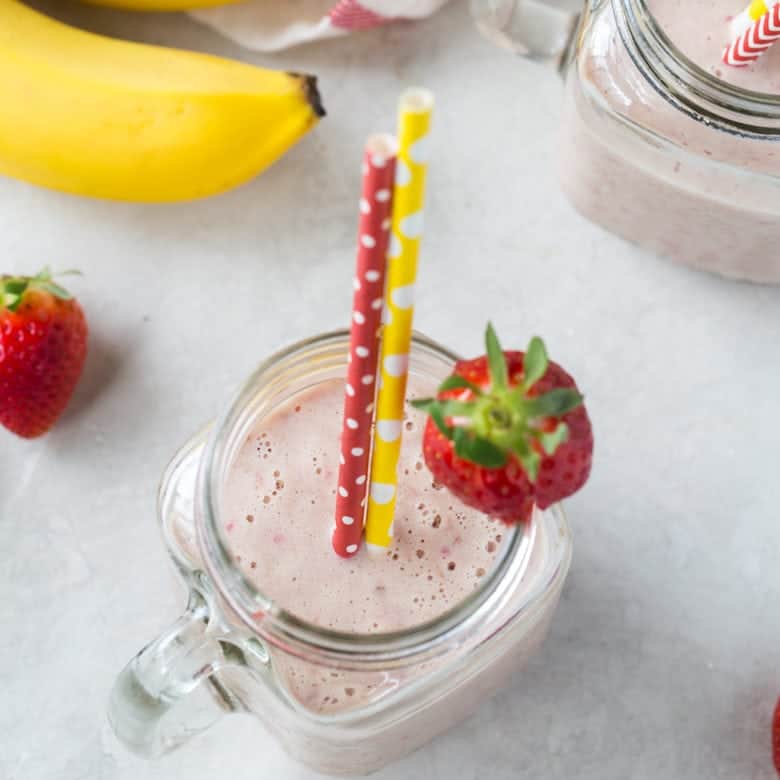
{"type": "Point", "coordinates": [367, 304]}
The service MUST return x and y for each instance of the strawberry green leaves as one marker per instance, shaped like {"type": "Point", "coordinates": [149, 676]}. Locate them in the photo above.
{"type": "Point", "coordinates": [496, 359]}
{"type": "Point", "coordinates": [13, 288]}
{"type": "Point", "coordinates": [44, 280]}
{"type": "Point", "coordinates": [468, 445]}
{"type": "Point", "coordinates": [440, 410]}
{"type": "Point", "coordinates": [456, 382]}
{"type": "Point", "coordinates": [528, 457]}
{"type": "Point", "coordinates": [478, 450]}
{"type": "Point", "coordinates": [53, 289]}
{"type": "Point", "coordinates": [554, 403]}
{"type": "Point", "coordinates": [11, 291]}
{"type": "Point", "coordinates": [534, 363]}
{"type": "Point", "coordinates": [433, 408]}
{"type": "Point", "coordinates": [501, 417]}
{"type": "Point", "coordinates": [551, 441]}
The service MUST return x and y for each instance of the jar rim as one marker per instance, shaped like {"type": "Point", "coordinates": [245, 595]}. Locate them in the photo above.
{"type": "Point", "coordinates": [686, 85]}
{"type": "Point", "coordinates": [299, 637]}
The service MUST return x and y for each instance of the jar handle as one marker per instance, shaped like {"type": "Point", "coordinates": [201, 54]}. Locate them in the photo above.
{"type": "Point", "coordinates": [538, 29]}
{"type": "Point", "coordinates": [171, 690]}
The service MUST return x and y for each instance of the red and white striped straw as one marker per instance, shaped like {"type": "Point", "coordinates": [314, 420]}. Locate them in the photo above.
{"type": "Point", "coordinates": [752, 43]}
{"type": "Point", "coordinates": [742, 21]}
{"type": "Point", "coordinates": [367, 304]}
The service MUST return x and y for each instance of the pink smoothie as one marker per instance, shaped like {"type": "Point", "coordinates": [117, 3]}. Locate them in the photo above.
{"type": "Point", "coordinates": [280, 499]}
{"type": "Point", "coordinates": [634, 163]}
{"type": "Point", "coordinates": [279, 502]}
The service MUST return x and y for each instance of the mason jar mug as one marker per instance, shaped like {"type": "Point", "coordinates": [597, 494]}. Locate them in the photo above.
{"type": "Point", "coordinates": [235, 650]}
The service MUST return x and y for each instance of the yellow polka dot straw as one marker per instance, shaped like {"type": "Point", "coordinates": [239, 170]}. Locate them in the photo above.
{"type": "Point", "coordinates": [414, 122]}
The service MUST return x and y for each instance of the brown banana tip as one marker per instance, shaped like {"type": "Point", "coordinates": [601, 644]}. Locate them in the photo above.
{"type": "Point", "coordinates": [311, 92]}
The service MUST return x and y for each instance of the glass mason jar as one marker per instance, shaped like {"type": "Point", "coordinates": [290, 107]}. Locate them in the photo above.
{"type": "Point", "coordinates": [654, 148]}
{"type": "Point", "coordinates": [234, 650]}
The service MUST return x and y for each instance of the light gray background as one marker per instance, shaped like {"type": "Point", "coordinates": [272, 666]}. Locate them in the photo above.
{"type": "Point", "coordinates": [663, 658]}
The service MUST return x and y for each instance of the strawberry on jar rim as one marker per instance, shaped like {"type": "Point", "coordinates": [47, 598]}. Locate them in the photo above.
{"type": "Point", "coordinates": [43, 345]}
{"type": "Point", "coordinates": [508, 431]}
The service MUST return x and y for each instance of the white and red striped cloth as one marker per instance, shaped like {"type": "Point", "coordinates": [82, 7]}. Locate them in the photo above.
{"type": "Point", "coordinates": [271, 25]}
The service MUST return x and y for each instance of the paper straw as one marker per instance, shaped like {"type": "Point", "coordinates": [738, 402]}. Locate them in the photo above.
{"type": "Point", "coordinates": [741, 22]}
{"type": "Point", "coordinates": [751, 44]}
{"type": "Point", "coordinates": [367, 302]}
{"type": "Point", "coordinates": [415, 109]}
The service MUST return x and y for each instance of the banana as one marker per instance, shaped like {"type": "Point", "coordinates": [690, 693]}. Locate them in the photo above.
{"type": "Point", "coordinates": [95, 116]}
{"type": "Point", "coordinates": [160, 5]}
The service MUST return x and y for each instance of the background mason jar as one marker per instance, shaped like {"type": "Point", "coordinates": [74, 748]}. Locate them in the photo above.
{"type": "Point", "coordinates": [653, 148]}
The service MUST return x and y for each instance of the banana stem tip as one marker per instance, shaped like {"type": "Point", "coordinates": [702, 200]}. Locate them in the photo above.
{"type": "Point", "coordinates": [313, 95]}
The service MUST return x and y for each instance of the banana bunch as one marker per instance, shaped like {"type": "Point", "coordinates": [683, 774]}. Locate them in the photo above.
{"type": "Point", "coordinates": [96, 116]}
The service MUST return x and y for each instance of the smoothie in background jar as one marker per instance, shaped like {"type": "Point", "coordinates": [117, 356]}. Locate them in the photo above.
{"type": "Point", "coordinates": [678, 158]}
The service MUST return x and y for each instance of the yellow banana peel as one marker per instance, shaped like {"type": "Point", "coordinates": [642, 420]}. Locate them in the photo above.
{"type": "Point", "coordinates": [96, 116]}
{"type": "Point", "coordinates": [161, 5]}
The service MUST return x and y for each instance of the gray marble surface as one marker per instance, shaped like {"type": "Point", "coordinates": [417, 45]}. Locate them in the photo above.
{"type": "Point", "coordinates": [664, 658]}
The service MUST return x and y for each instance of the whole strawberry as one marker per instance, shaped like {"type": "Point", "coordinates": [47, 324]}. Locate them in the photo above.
{"type": "Point", "coordinates": [776, 738]}
{"type": "Point", "coordinates": [508, 430]}
{"type": "Point", "coordinates": [43, 344]}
